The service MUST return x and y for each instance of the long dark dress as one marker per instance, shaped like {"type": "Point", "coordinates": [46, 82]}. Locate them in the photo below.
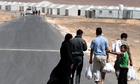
{"type": "Point", "coordinates": [61, 73]}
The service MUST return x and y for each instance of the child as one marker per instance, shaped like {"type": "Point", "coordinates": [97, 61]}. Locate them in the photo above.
{"type": "Point", "coordinates": [123, 64]}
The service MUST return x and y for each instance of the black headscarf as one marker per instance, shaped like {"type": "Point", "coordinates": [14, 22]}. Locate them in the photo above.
{"type": "Point", "coordinates": [68, 36]}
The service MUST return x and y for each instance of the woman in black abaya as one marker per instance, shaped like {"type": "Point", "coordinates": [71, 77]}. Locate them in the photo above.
{"type": "Point", "coordinates": [61, 73]}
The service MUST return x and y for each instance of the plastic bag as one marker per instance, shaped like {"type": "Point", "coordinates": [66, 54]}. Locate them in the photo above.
{"type": "Point", "coordinates": [88, 73]}
{"type": "Point", "coordinates": [131, 75]}
{"type": "Point", "coordinates": [116, 46]}
{"type": "Point", "coordinates": [108, 68]}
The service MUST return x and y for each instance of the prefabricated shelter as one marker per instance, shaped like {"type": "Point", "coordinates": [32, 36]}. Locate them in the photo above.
{"type": "Point", "coordinates": [32, 6]}
{"type": "Point", "coordinates": [121, 8]}
{"type": "Point", "coordinates": [81, 10]}
{"type": "Point", "coordinates": [90, 13]}
{"type": "Point", "coordinates": [44, 8]}
{"type": "Point", "coordinates": [22, 6]}
{"type": "Point", "coordinates": [131, 13]}
{"type": "Point", "coordinates": [136, 13]}
{"type": "Point", "coordinates": [61, 9]}
{"type": "Point", "coordinates": [41, 6]}
{"type": "Point", "coordinates": [14, 6]}
{"type": "Point", "coordinates": [54, 10]}
{"type": "Point", "coordinates": [8, 6]}
{"type": "Point", "coordinates": [128, 12]}
{"type": "Point", "coordinates": [50, 10]}
{"type": "Point", "coordinates": [3, 5]}
{"type": "Point", "coordinates": [106, 12]}
{"type": "Point", "coordinates": [72, 10]}
{"type": "Point", "coordinates": [0, 4]}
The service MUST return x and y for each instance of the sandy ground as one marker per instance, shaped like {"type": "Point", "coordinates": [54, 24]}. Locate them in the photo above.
{"type": "Point", "coordinates": [4, 17]}
{"type": "Point", "coordinates": [112, 28]}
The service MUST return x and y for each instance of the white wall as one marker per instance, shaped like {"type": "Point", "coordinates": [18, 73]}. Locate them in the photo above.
{"type": "Point", "coordinates": [72, 11]}
{"type": "Point", "coordinates": [54, 11]}
{"type": "Point", "coordinates": [107, 14]}
{"type": "Point", "coordinates": [136, 15]}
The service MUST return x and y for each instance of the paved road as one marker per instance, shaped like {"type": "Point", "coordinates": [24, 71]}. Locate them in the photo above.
{"type": "Point", "coordinates": [29, 50]}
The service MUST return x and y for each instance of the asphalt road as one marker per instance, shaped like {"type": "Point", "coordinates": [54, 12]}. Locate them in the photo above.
{"type": "Point", "coordinates": [29, 50]}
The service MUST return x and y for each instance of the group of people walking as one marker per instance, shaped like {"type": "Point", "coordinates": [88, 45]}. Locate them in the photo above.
{"type": "Point", "coordinates": [72, 57]}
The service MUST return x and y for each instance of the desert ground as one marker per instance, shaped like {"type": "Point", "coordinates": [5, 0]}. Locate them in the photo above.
{"type": "Point", "coordinates": [4, 16]}
{"type": "Point", "coordinates": [112, 29]}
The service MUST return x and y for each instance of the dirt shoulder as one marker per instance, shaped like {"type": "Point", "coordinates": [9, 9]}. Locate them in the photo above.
{"type": "Point", "coordinates": [112, 28]}
{"type": "Point", "coordinates": [6, 16]}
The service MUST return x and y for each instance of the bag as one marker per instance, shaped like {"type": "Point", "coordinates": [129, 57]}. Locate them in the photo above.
{"type": "Point", "coordinates": [116, 46]}
{"type": "Point", "coordinates": [131, 75]}
{"type": "Point", "coordinates": [88, 73]}
{"type": "Point", "coordinates": [108, 68]}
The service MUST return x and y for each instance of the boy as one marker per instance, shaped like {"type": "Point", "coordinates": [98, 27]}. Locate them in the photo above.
{"type": "Point", "coordinates": [124, 58]}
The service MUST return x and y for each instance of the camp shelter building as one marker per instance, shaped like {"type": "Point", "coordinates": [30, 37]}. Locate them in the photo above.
{"type": "Point", "coordinates": [61, 9]}
{"type": "Point", "coordinates": [72, 10]}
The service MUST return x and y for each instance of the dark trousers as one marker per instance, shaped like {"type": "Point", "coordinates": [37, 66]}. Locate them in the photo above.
{"type": "Point", "coordinates": [123, 76]}
{"type": "Point", "coordinates": [78, 65]}
{"type": "Point", "coordinates": [117, 66]}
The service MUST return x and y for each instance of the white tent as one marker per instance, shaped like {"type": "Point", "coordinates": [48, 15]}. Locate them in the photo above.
{"type": "Point", "coordinates": [72, 10]}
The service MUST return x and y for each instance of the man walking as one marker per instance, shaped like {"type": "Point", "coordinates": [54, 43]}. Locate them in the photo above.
{"type": "Point", "coordinates": [99, 47]}
{"type": "Point", "coordinates": [78, 46]}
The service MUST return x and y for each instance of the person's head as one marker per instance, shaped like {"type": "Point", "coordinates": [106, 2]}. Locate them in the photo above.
{"type": "Point", "coordinates": [79, 32]}
{"type": "Point", "coordinates": [68, 37]}
{"type": "Point", "coordinates": [123, 48]}
{"type": "Point", "coordinates": [98, 31]}
{"type": "Point", "coordinates": [124, 36]}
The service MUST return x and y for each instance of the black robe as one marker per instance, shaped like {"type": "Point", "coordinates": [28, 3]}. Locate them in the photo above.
{"type": "Point", "coordinates": [61, 73]}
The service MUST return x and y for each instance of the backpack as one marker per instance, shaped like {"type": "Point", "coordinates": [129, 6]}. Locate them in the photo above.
{"type": "Point", "coordinates": [116, 46]}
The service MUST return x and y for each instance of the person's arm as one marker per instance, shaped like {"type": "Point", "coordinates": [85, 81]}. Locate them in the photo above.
{"type": "Point", "coordinates": [107, 50]}
{"type": "Point", "coordinates": [130, 58]}
{"type": "Point", "coordinates": [115, 53]}
{"type": "Point", "coordinates": [69, 54]}
{"type": "Point", "coordinates": [107, 54]}
{"type": "Point", "coordinates": [91, 54]}
{"type": "Point", "coordinates": [84, 45]}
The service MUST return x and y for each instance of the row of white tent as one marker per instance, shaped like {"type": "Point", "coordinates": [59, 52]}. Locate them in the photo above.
{"type": "Point", "coordinates": [89, 11]}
